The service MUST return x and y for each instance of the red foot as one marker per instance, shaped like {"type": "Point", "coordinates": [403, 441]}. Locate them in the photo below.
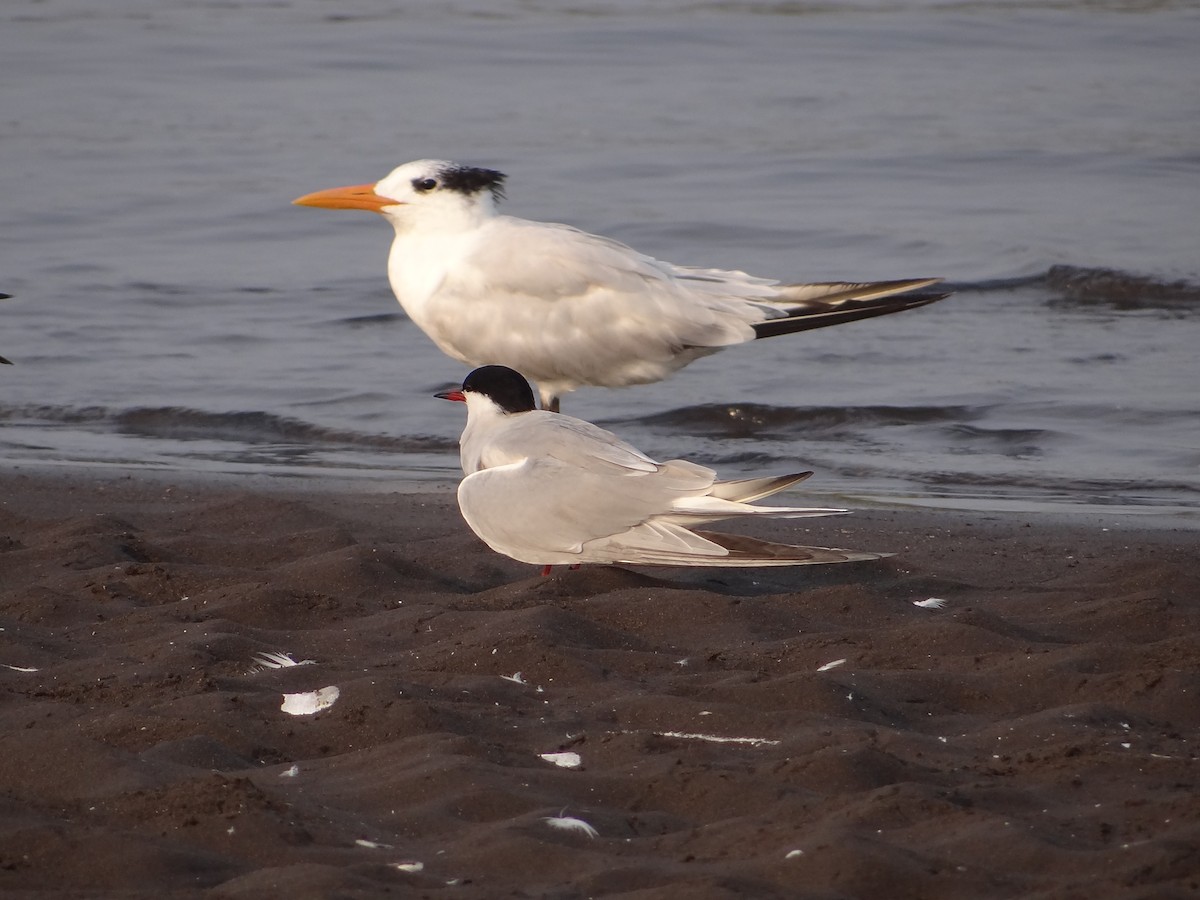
{"type": "Point", "coordinates": [546, 569]}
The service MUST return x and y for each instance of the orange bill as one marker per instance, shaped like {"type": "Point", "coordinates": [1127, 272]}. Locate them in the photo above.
{"type": "Point", "coordinates": [352, 196]}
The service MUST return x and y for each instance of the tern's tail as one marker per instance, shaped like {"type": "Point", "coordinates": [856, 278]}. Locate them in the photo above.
{"type": "Point", "coordinates": [808, 306]}
{"type": "Point", "coordinates": [750, 489]}
{"type": "Point", "coordinates": [741, 551]}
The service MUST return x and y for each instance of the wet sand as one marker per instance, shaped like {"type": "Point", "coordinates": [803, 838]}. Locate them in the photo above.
{"type": "Point", "coordinates": [1036, 737]}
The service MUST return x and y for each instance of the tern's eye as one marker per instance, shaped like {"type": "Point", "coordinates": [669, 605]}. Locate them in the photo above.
{"type": "Point", "coordinates": [424, 185]}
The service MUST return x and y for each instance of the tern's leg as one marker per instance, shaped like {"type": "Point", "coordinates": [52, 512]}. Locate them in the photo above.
{"type": "Point", "coordinates": [546, 569]}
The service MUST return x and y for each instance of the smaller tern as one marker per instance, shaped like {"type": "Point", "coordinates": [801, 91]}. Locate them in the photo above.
{"type": "Point", "coordinates": [568, 308]}
{"type": "Point", "coordinates": [549, 489]}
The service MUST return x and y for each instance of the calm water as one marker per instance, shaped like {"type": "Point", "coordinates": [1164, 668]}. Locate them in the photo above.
{"type": "Point", "coordinates": [173, 311]}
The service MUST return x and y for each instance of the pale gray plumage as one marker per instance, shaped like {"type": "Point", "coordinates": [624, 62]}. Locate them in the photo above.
{"type": "Point", "coordinates": [567, 308]}
{"type": "Point", "coordinates": [549, 489]}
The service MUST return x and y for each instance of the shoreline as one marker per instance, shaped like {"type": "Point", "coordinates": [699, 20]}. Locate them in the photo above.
{"type": "Point", "coordinates": [334, 481]}
{"type": "Point", "coordinates": [776, 733]}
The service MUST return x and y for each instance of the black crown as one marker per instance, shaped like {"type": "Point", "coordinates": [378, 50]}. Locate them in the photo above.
{"type": "Point", "coordinates": [469, 180]}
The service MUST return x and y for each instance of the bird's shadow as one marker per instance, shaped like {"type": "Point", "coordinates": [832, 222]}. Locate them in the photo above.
{"type": "Point", "coordinates": [757, 582]}
{"type": "Point", "coordinates": [564, 583]}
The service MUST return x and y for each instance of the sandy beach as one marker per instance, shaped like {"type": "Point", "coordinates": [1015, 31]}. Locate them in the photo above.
{"type": "Point", "coordinates": [788, 733]}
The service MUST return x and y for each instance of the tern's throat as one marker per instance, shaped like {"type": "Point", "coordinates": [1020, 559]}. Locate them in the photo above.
{"type": "Point", "coordinates": [429, 244]}
{"type": "Point", "coordinates": [419, 264]}
{"type": "Point", "coordinates": [486, 439]}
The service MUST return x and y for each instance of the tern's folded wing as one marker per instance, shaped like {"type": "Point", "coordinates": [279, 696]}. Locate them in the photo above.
{"type": "Point", "coordinates": [545, 505]}
{"type": "Point", "coordinates": [557, 262]}
{"type": "Point", "coordinates": [589, 449]}
{"type": "Point", "coordinates": [572, 285]}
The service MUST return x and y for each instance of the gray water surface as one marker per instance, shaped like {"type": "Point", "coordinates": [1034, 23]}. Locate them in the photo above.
{"type": "Point", "coordinates": [173, 311]}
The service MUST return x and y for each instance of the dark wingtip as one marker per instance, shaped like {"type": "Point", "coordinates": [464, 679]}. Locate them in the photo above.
{"type": "Point", "coordinates": [793, 324]}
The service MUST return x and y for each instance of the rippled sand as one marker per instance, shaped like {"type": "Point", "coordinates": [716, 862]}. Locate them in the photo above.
{"type": "Point", "coordinates": [778, 734]}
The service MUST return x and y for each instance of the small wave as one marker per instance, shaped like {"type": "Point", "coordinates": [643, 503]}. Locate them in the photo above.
{"type": "Point", "coordinates": [747, 420]}
{"type": "Point", "coordinates": [1080, 490]}
{"type": "Point", "coordinates": [253, 427]}
{"type": "Point", "coordinates": [61, 415]}
{"type": "Point", "coordinates": [372, 319]}
{"type": "Point", "coordinates": [1083, 287]}
{"type": "Point", "coordinates": [248, 427]}
{"type": "Point", "coordinates": [1015, 443]}
{"type": "Point", "coordinates": [1120, 290]}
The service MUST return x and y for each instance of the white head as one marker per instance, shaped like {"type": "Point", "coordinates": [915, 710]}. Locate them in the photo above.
{"type": "Point", "coordinates": [426, 190]}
